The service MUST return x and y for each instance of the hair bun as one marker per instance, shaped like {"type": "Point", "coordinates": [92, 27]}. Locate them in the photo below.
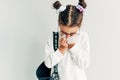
{"type": "Point", "coordinates": [82, 3]}
{"type": "Point", "coordinates": [57, 5]}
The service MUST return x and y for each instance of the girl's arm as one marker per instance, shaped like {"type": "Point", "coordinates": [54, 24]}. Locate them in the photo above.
{"type": "Point", "coordinates": [80, 53]}
{"type": "Point", "coordinates": [52, 57]}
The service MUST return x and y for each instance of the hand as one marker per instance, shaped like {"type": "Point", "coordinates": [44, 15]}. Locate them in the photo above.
{"type": "Point", "coordinates": [63, 45]}
{"type": "Point", "coordinates": [71, 45]}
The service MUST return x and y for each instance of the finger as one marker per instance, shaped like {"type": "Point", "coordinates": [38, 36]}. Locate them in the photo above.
{"type": "Point", "coordinates": [63, 39]}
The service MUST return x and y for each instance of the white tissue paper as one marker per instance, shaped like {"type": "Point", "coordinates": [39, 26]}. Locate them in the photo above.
{"type": "Point", "coordinates": [72, 39]}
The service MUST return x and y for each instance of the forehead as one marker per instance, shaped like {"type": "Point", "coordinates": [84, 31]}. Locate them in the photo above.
{"type": "Point", "coordinates": [69, 29]}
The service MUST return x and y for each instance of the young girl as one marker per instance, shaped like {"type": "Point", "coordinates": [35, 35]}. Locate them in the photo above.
{"type": "Point", "coordinates": [72, 55]}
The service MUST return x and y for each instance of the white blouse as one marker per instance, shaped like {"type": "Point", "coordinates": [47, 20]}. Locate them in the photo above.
{"type": "Point", "coordinates": [71, 65]}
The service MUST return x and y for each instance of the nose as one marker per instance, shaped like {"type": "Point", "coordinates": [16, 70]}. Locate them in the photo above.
{"type": "Point", "coordinates": [67, 35]}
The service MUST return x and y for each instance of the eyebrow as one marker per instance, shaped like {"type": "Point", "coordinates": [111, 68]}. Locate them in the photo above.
{"type": "Point", "coordinates": [69, 33]}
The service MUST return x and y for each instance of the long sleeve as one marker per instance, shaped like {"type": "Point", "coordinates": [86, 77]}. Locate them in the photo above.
{"type": "Point", "coordinates": [80, 52]}
{"type": "Point", "coordinates": [52, 57]}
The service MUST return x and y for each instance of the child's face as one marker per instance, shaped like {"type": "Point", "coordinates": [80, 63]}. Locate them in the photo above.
{"type": "Point", "coordinates": [68, 31]}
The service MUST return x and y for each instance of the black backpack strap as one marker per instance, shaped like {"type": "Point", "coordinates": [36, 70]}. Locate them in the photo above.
{"type": "Point", "coordinates": [55, 46]}
{"type": "Point", "coordinates": [55, 40]}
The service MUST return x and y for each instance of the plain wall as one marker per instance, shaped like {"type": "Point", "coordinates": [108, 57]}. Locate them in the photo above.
{"type": "Point", "coordinates": [25, 25]}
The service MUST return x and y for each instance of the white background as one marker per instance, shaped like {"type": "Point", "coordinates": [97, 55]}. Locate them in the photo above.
{"type": "Point", "coordinates": [25, 25]}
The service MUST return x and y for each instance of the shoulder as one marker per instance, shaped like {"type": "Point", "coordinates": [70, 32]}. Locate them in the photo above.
{"type": "Point", "coordinates": [50, 35]}
{"type": "Point", "coordinates": [83, 39]}
{"type": "Point", "coordinates": [49, 39]}
{"type": "Point", "coordinates": [84, 35]}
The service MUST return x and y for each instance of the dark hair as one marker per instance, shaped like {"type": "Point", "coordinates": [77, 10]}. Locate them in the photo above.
{"type": "Point", "coordinates": [71, 16]}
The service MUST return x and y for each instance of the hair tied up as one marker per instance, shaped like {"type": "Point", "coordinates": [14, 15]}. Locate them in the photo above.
{"type": "Point", "coordinates": [58, 6]}
{"type": "Point", "coordinates": [82, 3]}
